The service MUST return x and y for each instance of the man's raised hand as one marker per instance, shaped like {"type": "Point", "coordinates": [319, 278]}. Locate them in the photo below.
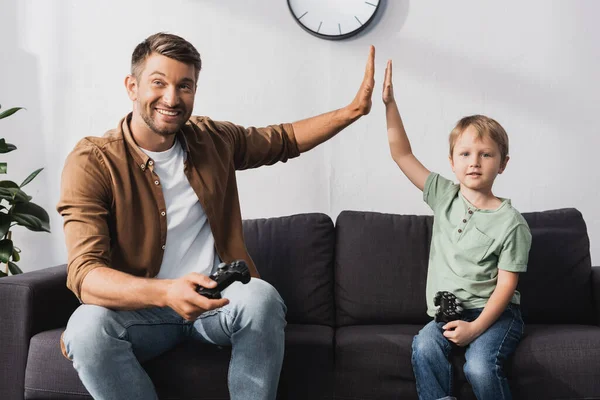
{"type": "Point", "coordinates": [362, 101]}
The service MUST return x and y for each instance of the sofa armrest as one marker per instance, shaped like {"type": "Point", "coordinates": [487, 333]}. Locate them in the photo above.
{"type": "Point", "coordinates": [29, 303]}
{"type": "Point", "coordinates": [596, 291]}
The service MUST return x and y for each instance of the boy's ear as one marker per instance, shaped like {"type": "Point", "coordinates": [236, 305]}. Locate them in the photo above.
{"type": "Point", "coordinates": [503, 165]}
{"type": "Point", "coordinates": [451, 162]}
{"type": "Point", "coordinates": [131, 86]}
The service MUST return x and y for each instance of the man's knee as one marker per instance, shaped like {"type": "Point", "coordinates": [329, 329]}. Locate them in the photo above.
{"type": "Point", "coordinates": [259, 301]}
{"type": "Point", "coordinates": [90, 330]}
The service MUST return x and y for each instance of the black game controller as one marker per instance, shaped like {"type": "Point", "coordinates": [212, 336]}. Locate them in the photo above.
{"type": "Point", "coordinates": [448, 306]}
{"type": "Point", "coordinates": [226, 274]}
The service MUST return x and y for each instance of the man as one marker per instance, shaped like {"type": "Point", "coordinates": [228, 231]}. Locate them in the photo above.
{"type": "Point", "coordinates": [151, 208]}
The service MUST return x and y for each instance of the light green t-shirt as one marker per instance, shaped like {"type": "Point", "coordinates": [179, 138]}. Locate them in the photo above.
{"type": "Point", "coordinates": [469, 245]}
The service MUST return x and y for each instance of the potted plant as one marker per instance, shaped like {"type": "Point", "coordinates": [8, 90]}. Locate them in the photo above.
{"type": "Point", "coordinates": [16, 208]}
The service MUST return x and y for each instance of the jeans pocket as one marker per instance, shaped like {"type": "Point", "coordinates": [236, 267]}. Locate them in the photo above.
{"type": "Point", "coordinates": [517, 326]}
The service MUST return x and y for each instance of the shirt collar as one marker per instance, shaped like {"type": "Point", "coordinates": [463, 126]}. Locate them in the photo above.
{"type": "Point", "coordinates": [141, 158]}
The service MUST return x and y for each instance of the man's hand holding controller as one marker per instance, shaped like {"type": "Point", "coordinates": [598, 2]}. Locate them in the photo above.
{"type": "Point", "coordinates": [182, 297]}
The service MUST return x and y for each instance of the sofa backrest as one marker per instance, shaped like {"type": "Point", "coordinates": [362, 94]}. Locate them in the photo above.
{"type": "Point", "coordinates": [381, 268]}
{"type": "Point", "coordinates": [557, 286]}
{"type": "Point", "coordinates": [295, 254]}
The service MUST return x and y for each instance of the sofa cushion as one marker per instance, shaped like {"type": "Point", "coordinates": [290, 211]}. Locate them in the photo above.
{"type": "Point", "coordinates": [374, 362]}
{"type": "Point", "coordinates": [557, 362]}
{"type": "Point", "coordinates": [295, 254]}
{"type": "Point", "coordinates": [191, 370]}
{"type": "Point", "coordinates": [381, 268]}
{"type": "Point", "coordinates": [551, 362]}
{"type": "Point", "coordinates": [557, 286]}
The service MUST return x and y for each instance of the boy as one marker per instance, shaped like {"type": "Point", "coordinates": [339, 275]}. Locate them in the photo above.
{"type": "Point", "coordinates": [479, 245]}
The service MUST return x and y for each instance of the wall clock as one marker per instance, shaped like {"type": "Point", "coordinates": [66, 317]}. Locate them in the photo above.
{"type": "Point", "coordinates": [333, 19]}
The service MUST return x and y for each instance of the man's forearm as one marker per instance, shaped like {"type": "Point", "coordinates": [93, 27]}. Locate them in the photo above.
{"type": "Point", "coordinates": [121, 291]}
{"type": "Point", "coordinates": [313, 131]}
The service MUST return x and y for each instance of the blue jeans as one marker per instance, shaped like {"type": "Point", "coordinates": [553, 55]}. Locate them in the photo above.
{"type": "Point", "coordinates": [107, 346]}
{"type": "Point", "coordinates": [485, 357]}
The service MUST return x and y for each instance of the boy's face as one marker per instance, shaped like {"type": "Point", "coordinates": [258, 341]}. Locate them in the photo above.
{"type": "Point", "coordinates": [476, 161]}
{"type": "Point", "coordinates": [163, 94]}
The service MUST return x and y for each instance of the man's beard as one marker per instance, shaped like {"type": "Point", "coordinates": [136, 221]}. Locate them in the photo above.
{"type": "Point", "coordinates": [165, 132]}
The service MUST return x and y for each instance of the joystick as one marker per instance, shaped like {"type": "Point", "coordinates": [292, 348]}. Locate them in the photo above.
{"type": "Point", "coordinates": [225, 275]}
{"type": "Point", "coordinates": [448, 306]}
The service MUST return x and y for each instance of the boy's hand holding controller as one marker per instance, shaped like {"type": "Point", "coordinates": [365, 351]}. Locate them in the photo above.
{"type": "Point", "coordinates": [449, 310]}
{"type": "Point", "coordinates": [460, 332]}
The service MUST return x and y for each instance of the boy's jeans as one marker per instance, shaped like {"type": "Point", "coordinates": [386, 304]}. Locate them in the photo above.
{"type": "Point", "coordinates": [485, 357]}
{"type": "Point", "coordinates": [107, 346]}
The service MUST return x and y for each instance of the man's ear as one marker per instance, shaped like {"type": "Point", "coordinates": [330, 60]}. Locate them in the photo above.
{"type": "Point", "coordinates": [132, 87]}
{"type": "Point", "coordinates": [503, 165]}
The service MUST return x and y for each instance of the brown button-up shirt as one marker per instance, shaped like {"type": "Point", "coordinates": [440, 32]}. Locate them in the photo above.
{"type": "Point", "coordinates": [113, 205]}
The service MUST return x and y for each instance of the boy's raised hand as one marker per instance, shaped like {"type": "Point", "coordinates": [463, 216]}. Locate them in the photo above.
{"type": "Point", "coordinates": [388, 87]}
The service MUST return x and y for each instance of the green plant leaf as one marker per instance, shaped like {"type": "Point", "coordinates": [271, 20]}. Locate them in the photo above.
{"type": "Point", "coordinates": [15, 255]}
{"type": "Point", "coordinates": [8, 184]}
{"type": "Point", "coordinates": [14, 268]}
{"type": "Point", "coordinates": [31, 216]}
{"type": "Point", "coordinates": [2, 274]}
{"type": "Point", "coordinates": [6, 147]}
{"type": "Point", "coordinates": [10, 112]}
{"type": "Point", "coordinates": [31, 176]}
{"type": "Point", "coordinates": [5, 221]}
{"type": "Point", "coordinates": [3, 167]}
{"type": "Point", "coordinates": [19, 195]}
{"type": "Point", "coordinates": [6, 249]}
{"type": "Point", "coordinates": [29, 222]}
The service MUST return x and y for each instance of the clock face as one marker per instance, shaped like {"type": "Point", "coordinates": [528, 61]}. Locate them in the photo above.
{"type": "Point", "coordinates": [333, 19]}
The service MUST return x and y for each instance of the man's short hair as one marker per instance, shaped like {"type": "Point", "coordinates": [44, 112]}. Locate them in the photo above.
{"type": "Point", "coordinates": [168, 45]}
{"type": "Point", "coordinates": [484, 126]}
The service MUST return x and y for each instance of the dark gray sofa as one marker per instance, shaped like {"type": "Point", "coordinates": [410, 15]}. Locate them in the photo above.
{"type": "Point", "coordinates": [356, 297]}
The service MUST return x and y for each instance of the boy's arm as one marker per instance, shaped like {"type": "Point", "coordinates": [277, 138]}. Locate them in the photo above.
{"type": "Point", "coordinates": [462, 333]}
{"type": "Point", "coordinates": [505, 289]}
{"type": "Point", "coordinates": [399, 143]}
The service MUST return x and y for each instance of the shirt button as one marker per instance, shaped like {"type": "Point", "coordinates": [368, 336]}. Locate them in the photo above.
{"type": "Point", "coordinates": [143, 167]}
{"type": "Point", "coordinates": [163, 213]}
{"type": "Point", "coordinates": [164, 246]}
{"type": "Point", "coordinates": [470, 212]}
{"type": "Point", "coordinates": [460, 231]}
{"type": "Point", "coordinates": [464, 221]}
{"type": "Point", "coordinates": [151, 162]}
{"type": "Point", "coordinates": [156, 182]}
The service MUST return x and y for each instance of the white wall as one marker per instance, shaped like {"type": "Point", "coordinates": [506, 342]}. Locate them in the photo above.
{"type": "Point", "coordinates": [531, 65]}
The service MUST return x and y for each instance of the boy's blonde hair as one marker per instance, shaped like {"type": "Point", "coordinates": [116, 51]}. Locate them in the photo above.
{"type": "Point", "coordinates": [484, 126]}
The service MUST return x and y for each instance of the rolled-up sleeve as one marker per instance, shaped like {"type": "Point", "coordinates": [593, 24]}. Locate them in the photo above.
{"type": "Point", "coordinates": [85, 205]}
{"type": "Point", "coordinates": [254, 147]}
{"type": "Point", "coordinates": [515, 249]}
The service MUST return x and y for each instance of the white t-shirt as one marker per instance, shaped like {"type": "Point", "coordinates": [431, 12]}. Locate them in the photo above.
{"type": "Point", "coordinates": [190, 245]}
